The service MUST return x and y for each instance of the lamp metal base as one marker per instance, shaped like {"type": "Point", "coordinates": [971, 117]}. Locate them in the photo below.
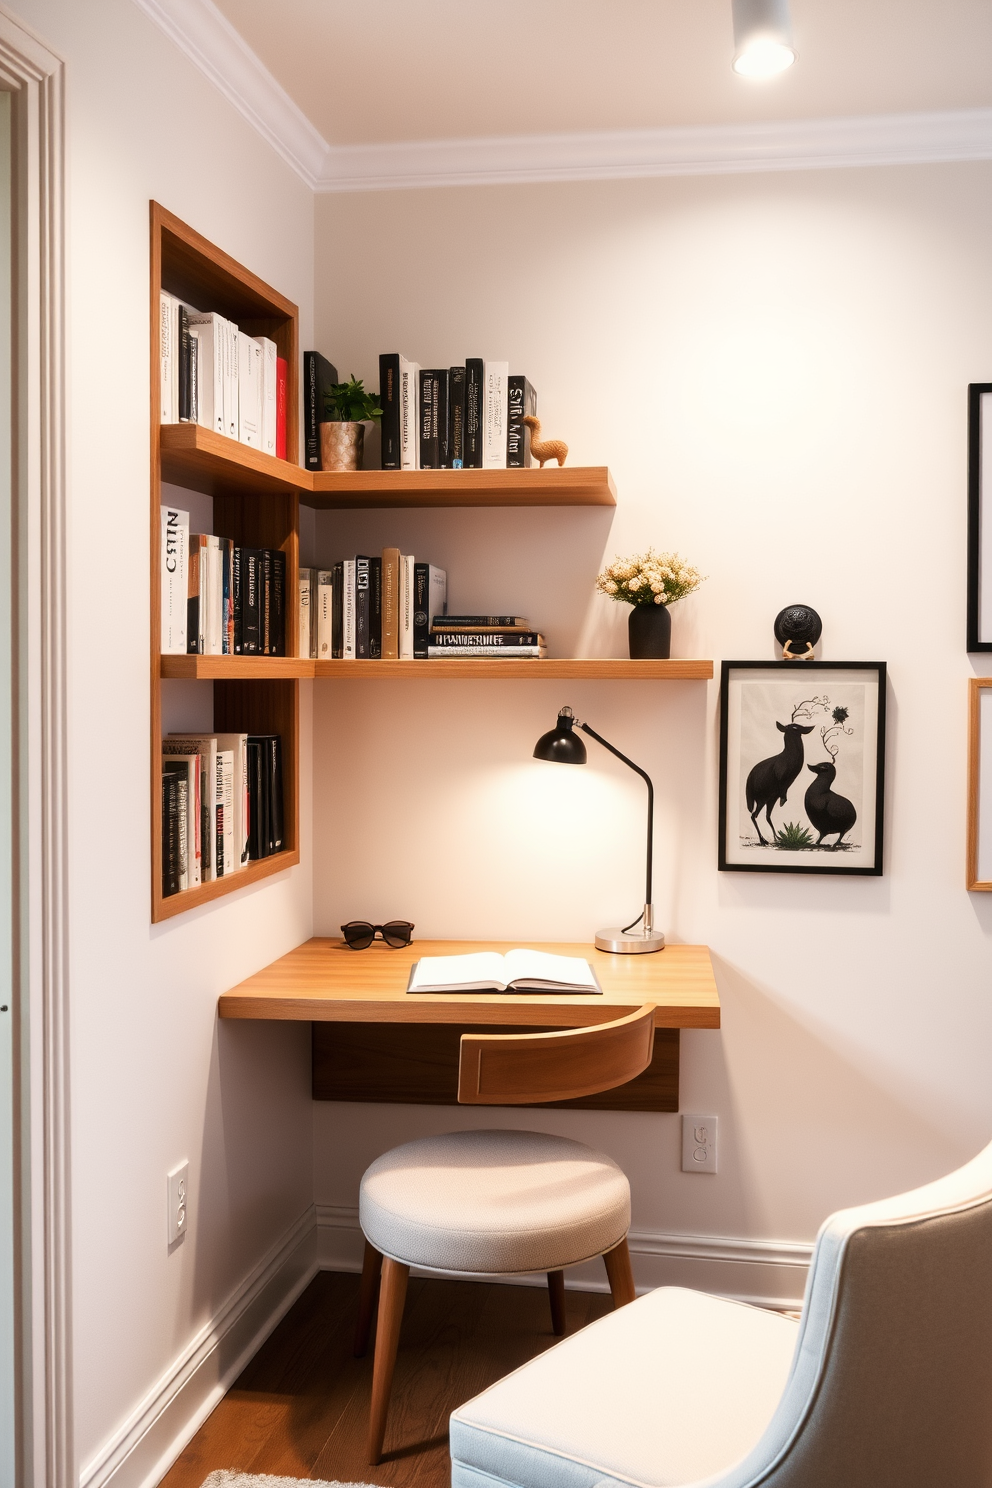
{"type": "Point", "coordinates": [629, 942]}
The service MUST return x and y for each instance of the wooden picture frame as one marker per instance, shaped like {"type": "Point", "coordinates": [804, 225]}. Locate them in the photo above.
{"type": "Point", "coordinates": [802, 767]}
{"type": "Point", "coordinates": [979, 520]}
{"type": "Point", "coordinates": [979, 876]}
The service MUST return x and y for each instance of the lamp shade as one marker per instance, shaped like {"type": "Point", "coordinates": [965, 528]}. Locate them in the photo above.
{"type": "Point", "coordinates": [762, 37]}
{"type": "Point", "coordinates": [561, 745]}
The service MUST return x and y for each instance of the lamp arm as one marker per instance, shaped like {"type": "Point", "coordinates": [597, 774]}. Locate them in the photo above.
{"type": "Point", "coordinates": [647, 780]}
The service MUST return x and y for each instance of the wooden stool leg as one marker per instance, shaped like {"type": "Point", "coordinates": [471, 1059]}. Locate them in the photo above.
{"type": "Point", "coordinates": [621, 1277]}
{"type": "Point", "coordinates": [556, 1293]}
{"type": "Point", "coordinates": [371, 1267]}
{"type": "Point", "coordinates": [392, 1295]}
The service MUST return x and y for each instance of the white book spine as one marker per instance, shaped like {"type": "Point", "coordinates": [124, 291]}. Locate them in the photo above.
{"type": "Point", "coordinates": [348, 610]}
{"type": "Point", "coordinates": [437, 593]}
{"type": "Point", "coordinates": [325, 592]}
{"type": "Point", "coordinates": [209, 331]}
{"type": "Point", "coordinates": [305, 597]}
{"type": "Point", "coordinates": [167, 352]}
{"type": "Point", "coordinates": [269, 356]}
{"type": "Point", "coordinates": [174, 556]}
{"type": "Point", "coordinates": [249, 391]}
{"type": "Point", "coordinates": [407, 561]}
{"type": "Point", "coordinates": [214, 630]}
{"type": "Point", "coordinates": [495, 375]}
{"type": "Point", "coordinates": [225, 808]}
{"type": "Point", "coordinates": [206, 746]}
{"type": "Point", "coordinates": [230, 379]}
{"type": "Point", "coordinates": [409, 411]}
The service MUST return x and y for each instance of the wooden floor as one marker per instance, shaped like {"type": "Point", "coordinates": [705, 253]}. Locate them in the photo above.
{"type": "Point", "coordinates": [300, 1408]}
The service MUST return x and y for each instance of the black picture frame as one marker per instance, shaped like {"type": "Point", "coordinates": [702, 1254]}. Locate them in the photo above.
{"type": "Point", "coordinates": [979, 530]}
{"type": "Point", "coordinates": [743, 732]}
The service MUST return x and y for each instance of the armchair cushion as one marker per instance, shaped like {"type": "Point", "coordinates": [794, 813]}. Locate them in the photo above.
{"type": "Point", "coordinates": [670, 1390]}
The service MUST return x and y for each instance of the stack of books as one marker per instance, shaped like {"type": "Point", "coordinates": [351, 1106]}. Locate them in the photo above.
{"type": "Point", "coordinates": [453, 418]}
{"type": "Point", "coordinates": [370, 608]}
{"type": "Point", "coordinates": [485, 635]}
{"type": "Point", "coordinates": [215, 375]}
{"type": "Point", "coordinates": [222, 805]}
{"type": "Point", "coordinates": [218, 598]}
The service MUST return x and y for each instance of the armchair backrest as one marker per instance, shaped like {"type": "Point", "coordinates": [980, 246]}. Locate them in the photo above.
{"type": "Point", "coordinates": [891, 1385]}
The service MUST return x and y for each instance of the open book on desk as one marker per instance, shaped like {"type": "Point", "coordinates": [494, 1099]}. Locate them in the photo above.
{"type": "Point", "coordinates": [517, 971]}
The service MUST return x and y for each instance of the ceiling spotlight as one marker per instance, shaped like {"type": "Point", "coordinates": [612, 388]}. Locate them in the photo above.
{"type": "Point", "coordinates": [762, 37]}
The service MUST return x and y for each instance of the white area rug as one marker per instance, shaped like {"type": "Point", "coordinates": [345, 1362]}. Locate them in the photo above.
{"type": "Point", "coordinates": [225, 1479]}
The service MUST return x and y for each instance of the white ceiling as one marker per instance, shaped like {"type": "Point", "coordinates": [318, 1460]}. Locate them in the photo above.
{"type": "Point", "coordinates": [390, 70]}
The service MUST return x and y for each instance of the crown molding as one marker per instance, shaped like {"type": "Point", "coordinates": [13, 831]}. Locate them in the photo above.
{"type": "Point", "coordinates": [209, 40]}
{"type": "Point", "coordinates": [200, 30]}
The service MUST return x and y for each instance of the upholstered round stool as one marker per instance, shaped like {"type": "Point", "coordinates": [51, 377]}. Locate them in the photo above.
{"type": "Point", "coordinates": [492, 1202]}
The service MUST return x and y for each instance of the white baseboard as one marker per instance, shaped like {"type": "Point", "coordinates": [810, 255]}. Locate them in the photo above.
{"type": "Point", "coordinates": [767, 1273]}
{"type": "Point", "coordinates": [144, 1447]}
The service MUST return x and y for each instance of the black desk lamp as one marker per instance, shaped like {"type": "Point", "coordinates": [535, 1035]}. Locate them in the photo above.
{"type": "Point", "coordinates": [564, 747]}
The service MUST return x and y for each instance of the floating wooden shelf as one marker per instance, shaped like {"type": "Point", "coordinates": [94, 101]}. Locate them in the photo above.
{"type": "Point", "coordinates": [205, 461]}
{"type": "Point", "coordinates": [210, 668]}
{"type": "Point", "coordinates": [173, 904]}
{"type": "Point", "coordinates": [552, 486]}
{"type": "Point", "coordinates": [509, 666]}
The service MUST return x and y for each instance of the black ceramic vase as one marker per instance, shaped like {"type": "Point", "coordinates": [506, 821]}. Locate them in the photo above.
{"type": "Point", "coordinates": [649, 633]}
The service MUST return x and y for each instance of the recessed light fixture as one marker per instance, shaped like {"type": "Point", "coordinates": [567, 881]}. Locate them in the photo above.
{"type": "Point", "coordinates": [762, 38]}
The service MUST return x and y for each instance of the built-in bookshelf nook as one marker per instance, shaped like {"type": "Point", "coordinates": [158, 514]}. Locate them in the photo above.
{"type": "Point", "coordinates": [255, 500]}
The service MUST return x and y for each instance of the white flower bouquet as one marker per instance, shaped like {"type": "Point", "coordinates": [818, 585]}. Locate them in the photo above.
{"type": "Point", "coordinates": [649, 578]}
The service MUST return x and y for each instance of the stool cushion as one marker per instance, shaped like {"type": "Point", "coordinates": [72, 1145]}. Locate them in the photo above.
{"type": "Point", "coordinates": [494, 1201]}
{"type": "Point", "coordinates": [672, 1389]}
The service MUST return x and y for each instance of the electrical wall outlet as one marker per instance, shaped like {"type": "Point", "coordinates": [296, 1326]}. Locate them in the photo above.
{"type": "Point", "coordinates": [178, 1202]}
{"type": "Point", "coordinates": [699, 1144]}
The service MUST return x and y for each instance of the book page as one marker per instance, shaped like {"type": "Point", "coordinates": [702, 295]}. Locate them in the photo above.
{"type": "Point", "coordinates": [542, 966]}
{"type": "Point", "coordinates": [478, 971]}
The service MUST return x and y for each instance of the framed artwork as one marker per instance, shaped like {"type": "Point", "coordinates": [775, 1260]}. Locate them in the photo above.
{"type": "Point", "coordinates": [802, 765]}
{"type": "Point", "coordinates": [979, 517]}
{"type": "Point", "coordinates": [980, 785]}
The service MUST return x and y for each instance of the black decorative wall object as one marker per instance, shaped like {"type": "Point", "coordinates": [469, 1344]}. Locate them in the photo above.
{"type": "Point", "coordinates": [797, 630]}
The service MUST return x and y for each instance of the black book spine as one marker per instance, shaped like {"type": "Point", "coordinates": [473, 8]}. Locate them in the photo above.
{"type": "Point", "coordinates": [193, 599]}
{"type": "Point", "coordinates": [375, 608]}
{"type": "Point", "coordinates": [254, 797]}
{"type": "Point", "coordinates": [277, 623]}
{"type": "Point", "coordinates": [170, 835]}
{"type": "Point", "coordinates": [239, 612]}
{"type": "Point", "coordinates": [442, 418]}
{"type": "Point", "coordinates": [476, 622]}
{"type": "Point", "coordinates": [521, 399]}
{"type": "Point", "coordinates": [194, 380]}
{"type": "Point", "coordinates": [473, 413]}
{"type": "Point", "coordinates": [362, 608]}
{"type": "Point", "coordinates": [183, 365]}
{"type": "Point", "coordinates": [421, 619]}
{"type": "Point", "coordinates": [456, 417]}
{"type": "Point", "coordinates": [441, 637]}
{"type": "Point", "coordinates": [250, 608]}
{"type": "Point", "coordinates": [275, 794]}
{"type": "Point", "coordinates": [389, 397]}
{"type": "Point", "coordinates": [265, 602]}
{"type": "Point", "coordinates": [430, 447]}
{"type": "Point", "coordinates": [337, 611]}
{"type": "Point", "coordinates": [318, 376]}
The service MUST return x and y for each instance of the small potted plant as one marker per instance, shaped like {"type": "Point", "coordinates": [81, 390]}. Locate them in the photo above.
{"type": "Point", "coordinates": [649, 583]}
{"type": "Point", "coordinates": [342, 435]}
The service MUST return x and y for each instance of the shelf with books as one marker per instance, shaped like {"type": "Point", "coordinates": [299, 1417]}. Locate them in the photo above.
{"type": "Point", "coordinates": [203, 460]}
{"type": "Point", "coordinates": [568, 668]}
{"type": "Point", "coordinates": [175, 904]}
{"type": "Point", "coordinates": [210, 668]}
{"type": "Point", "coordinates": [574, 485]}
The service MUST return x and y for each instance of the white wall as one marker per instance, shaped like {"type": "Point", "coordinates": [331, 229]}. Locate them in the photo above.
{"type": "Point", "coordinates": [774, 368]}
{"type": "Point", "coordinates": [154, 1079]}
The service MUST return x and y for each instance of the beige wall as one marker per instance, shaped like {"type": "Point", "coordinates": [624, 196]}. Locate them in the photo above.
{"type": "Point", "coordinates": [774, 368]}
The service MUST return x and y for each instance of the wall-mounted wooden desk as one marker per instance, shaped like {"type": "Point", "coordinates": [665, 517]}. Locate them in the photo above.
{"type": "Point", "coordinates": [374, 1041]}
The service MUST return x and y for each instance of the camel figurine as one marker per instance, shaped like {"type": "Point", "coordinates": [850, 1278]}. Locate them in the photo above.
{"type": "Point", "coordinates": [544, 449]}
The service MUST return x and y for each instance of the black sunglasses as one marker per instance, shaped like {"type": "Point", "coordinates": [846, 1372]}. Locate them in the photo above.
{"type": "Point", "coordinates": [359, 934]}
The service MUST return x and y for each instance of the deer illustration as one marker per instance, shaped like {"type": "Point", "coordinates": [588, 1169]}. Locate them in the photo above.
{"type": "Point", "coordinates": [544, 449]}
{"type": "Point", "coordinates": [770, 780]}
{"type": "Point", "coordinates": [828, 811]}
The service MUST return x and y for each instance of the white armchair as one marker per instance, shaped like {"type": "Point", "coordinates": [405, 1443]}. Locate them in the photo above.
{"type": "Point", "coordinates": [884, 1382]}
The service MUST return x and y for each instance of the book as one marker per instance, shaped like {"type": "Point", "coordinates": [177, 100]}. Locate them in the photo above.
{"type": "Point", "coordinates": [233, 745]}
{"type": "Point", "coordinates": [264, 755]}
{"type": "Point", "coordinates": [249, 391]}
{"type": "Point", "coordinates": [238, 595]}
{"type": "Point", "coordinates": [277, 605]}
{"type": "Point", "coordinates": [268, 361]}
{"type": "Point", "coordinates": [318, 376]}
{"type": "Point", "coordinates": [406, 593]}
{"type": "Point", "coordinates": [305, 600]}
{"type": "Point", "coordinates": [227, 608]}
{"type": "Point", "coordinates": [521, 400]}
{"type": "Point", "coordinates": [211, 595]}
{"type": "Point", "coordinates": [498, 640]}
{"type": "Point", "coordinates": [363, 607]}
{"type": "Point", "coordinates": [195, 616]}
{"type": "Point", "coordinates": [481, 622]}
{"type": "Point", "coordinates": [282, 405]}
{"type": "Point", "coordinates": [348, 610]}
{"type": "Point", "coordinates": [409, 405]}
{"type": "Point", "coordinates": [455, 453]}
{"type": "Point", "coordinates": [264, 601]}
{"type": "Point", "coordinates": [517, 971]}
{"type": "Point", "coordinates": [494, 416]}
{"type": "Point", "coordinates": [389, 397]}
{"type": "Point", "coordinates": [205, 745]}
{"type": "Point", "coordinates": [474, 405]}
{"type": "Point", "coordinates": [325, 614]}
{"type": "Point", "coordinates": [337, 612]}
{"type": "Point", "coordinates": [188, 766]}
{"type": "Point", "coordinates": [174, 553]}
{"type": "Point", "coordinates": [177, 851]}
{"type": "Point", "coordinates": [433, 418]}
{"type": "Point", "coordinates": [172, 835]}
{"type": "Point", "coordinates": [375, 609]}
{"type": "Point", "coordinates": [390, 604]}
{"type": "Point", "coordinates": [208, 332]}
{"type": "Point", "coordinates": [430, 587]}
{"type": "Point", "coordinates": [230, 334]}
{"type": "Point", "coordinates": [516, 651]}
{"type": "Point", "coordinates": [194, 377]}
{"type": "Point", "coordinates": [257, 805]}
{"type": "Point", "coordinates": [183, 345]}
{"type": "Point", "coordinates": [251, 630]}
{"type": "Point", "coordinates": [224, 812]}
{"type": "Point", "coordinates": [168, 326]}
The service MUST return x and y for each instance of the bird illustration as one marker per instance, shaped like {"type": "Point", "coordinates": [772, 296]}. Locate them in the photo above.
{"type": "Point", "coordinates": [544, 449]}
{"type": "Point", "coordinates": [828, 811]}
